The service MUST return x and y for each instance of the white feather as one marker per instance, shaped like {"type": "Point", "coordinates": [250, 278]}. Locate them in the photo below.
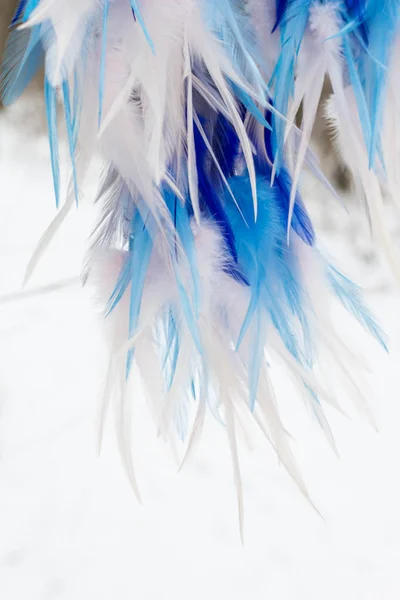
{"type": "Point", "coordinates": [349, 139]}
{"type": "Point", "coordinates": [320, 56]}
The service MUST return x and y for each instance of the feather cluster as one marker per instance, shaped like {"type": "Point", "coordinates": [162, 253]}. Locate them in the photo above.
{"type": "Point", "coordinates": [205, 257]}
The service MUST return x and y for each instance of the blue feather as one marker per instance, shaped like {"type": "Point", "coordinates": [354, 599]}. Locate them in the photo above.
{"type": "Point", "coordinates": [301, 222]}
{"type": "Point", "coordinates": [19, 13]}
{"type": "Point", "coordinates": [138, 15]}
{"type": "Point", "coordinates": [29, 7]}
{"type": "Point", "coordinates": [266, 261]}
{"type": "Point", "coordinates": [250, 105]}
{"type": "Point", "coordinates": [133, 273]}
{"type": "Point", "coordinates": [350, 297]}
{"type": "Point", "coordinates": [141, 247]}
{"type": "Point", "coordinates": [226, 144]}
{"type": "Point", "coordinates": [272, 271]}
{"type": "Point", "coordinates": [356, 10]}
{"type": "Point", "coordinates": [209, 183]}
{"type": "Point", "coordinates": [226, 148]}
{"type": "Point", "coordinates": [143, 231]}
{"type": "Point", "coordinates": [293, 23]}
{"type": "Point", "coordinates": [51, 114]}
{"type": "Point", "coordinates": [281, 6]}
{"type": "Point", "coordinates": [171, 352]}
{"type": "Point", "coordinates": [227, 20]}
{"type": "Point", "coordinates": [190, 303]}
{"type": "Point", "coordinates": [385, 18]}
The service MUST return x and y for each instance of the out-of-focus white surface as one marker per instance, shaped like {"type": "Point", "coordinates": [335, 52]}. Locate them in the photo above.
{"type": "Point", "coordinates": [70, 527]}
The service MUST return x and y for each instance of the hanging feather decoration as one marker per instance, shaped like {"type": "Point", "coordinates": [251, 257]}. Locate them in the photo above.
{"type": "Point", "coordinates": [205, 258]}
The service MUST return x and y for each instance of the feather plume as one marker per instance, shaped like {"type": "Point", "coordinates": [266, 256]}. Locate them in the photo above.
{"type": "Point", "coordinates": [204, 259]}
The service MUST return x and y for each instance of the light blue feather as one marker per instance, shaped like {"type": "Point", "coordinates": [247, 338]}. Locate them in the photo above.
{"type": "Point", "coordinates": [140, 251]}
{"type": "Point", "coordinates": [50, 95]}
{"type": "Point", "coordinates": [171, 352]}
{"type": "Point", "coordinates": [250, 105]}
{"type": "Point", "coordinates": [351, 298]}
{"type": "Point", "coordinates": [138, 15]}
{"type": "Point", "coordinates": [267, 263]}
{"type": "Point", "coordinates": [228, 20]}
{"type": "Point", "coordinates": [30, 6]}
{"type": "Point", "coordinates": [181, 219]}
{"type": "Point", "coordinates": [292, 27]}
{"type": "Point", "coordinates": [382, 27]}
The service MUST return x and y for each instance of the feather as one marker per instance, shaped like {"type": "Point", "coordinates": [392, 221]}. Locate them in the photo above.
{"type": "Point", "coordinates": [22, 58]}
{"type": "Point", "coordinates": [349, 139]}
{"type": "Point", "coordinates": [51, 114]}
{"type": "Point", "coordinates": [293, 18]}
{"type": "Point", "coordinates": [227, 305]}
{"type": "Point", "coordinates": [192, 167]}
{"type": "Point", "coordinates": [192, 113]}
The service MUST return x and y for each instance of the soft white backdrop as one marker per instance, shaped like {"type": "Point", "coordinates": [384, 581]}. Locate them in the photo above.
{"type": "Point", "coordinates": [70, 527]}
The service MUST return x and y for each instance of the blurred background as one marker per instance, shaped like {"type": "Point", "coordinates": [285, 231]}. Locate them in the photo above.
{"type": "Point", "coordinates": [7, 9]}
{"type": "Point", "coordinates": [70, 527]}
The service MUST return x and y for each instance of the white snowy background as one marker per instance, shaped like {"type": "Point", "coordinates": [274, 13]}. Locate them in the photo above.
{"type": "Point", "coordinates": [70, 527]}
